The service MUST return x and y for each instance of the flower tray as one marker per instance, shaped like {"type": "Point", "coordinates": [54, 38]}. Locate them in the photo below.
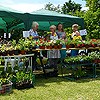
{"type": "Point", "coordinates": [24, 85]}
{"type": "Point", "coordinates": [7, 88]}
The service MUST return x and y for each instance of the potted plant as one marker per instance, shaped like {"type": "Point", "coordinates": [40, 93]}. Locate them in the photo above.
{"type": "Point", "coordinates": [93, 43]}
{"type": "Point", "coordinates": [22, 47]}
{"type": "Point", "coordinates": [3, 50]}
{"type": "Point", "coordinates": [68, 44]}
{"type": "Point", "coordinates": [79, 44]}
{"type": "Point", "coordinates": [87, 44]}
{"type": "Point", "coordinates": [59, 43]}
{"type": "Point", "coordinates": [72, 44]}
{"type": "Point", "coordinates": [48, 44]}
{"type": "Point", "coordinates": [15, 47]}
{"type": "Point", "coordinates": [24, 80]}
{"type": "Point", "coordinates": [41, 44]}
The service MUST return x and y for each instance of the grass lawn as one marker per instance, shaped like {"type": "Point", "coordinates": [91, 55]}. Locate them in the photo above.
{"type": "Point", "coordinates": [58, 88]}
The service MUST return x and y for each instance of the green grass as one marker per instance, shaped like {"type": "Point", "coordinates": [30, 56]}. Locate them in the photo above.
{"type": "Point", "coordinates": [58, 88]}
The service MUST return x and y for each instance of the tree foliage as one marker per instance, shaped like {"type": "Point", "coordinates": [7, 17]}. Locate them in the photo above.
{"type": "Point", "coordinates": [70, 7]}
{"type": "Point", "coordinates": [92, 18]}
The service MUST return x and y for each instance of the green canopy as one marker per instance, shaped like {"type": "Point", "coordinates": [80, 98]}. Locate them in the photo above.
{"type": "Point", "coordinates": [17, 27]}
{"type": "Point", "coordinates": [7, 18]}
{"type": "Point", "coordinates": [45, 18]}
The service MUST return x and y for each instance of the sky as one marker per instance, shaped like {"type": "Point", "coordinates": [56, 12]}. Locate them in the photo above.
{"type": "Point", "coordinates": [33, 5]}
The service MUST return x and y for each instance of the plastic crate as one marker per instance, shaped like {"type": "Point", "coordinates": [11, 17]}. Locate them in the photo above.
{"type": "Point", "coordinates": [7, 88]}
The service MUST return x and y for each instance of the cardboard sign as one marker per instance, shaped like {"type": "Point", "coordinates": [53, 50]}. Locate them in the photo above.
{"type": "Point", "coordinates": [25, 34]}
{"type": "Point", "coordinates": [83, 32]}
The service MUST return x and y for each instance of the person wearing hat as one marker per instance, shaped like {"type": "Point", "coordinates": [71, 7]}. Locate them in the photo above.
{"type": "Point", "coordinates": [75, 35]}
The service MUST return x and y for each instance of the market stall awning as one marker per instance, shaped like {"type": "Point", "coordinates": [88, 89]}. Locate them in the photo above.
{"type": "Point", "coordinates": [46, 18]}
{"type": "Point", "coordinates": [7, 18]}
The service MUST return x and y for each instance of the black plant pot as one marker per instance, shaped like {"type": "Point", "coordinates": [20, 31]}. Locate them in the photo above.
{"type": "Point", "coordinates": [4, 53]}
{"type": "Point", "coordinates": [16, 52]}
{"type": "Point", "coordinates": [72, 45]}
{"type": "Point", "coordinates": [34, 47]}
{"type": "Point", "coordinates": [24, 85]}
{"type": "Point", "coordinates": [11, 52]}
{"type": "Point", "coordinates": [29, 52]}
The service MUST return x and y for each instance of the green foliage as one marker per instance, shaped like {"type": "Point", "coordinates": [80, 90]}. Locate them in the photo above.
{"type": "Point", "coordinates": [92, 18]}
{"type": "Point", "coordinates": [70, 7]}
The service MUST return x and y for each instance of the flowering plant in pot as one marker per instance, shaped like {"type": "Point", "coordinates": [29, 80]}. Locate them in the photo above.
{"type": "Point", "coordinates": [57, 44]}
{"type": "Point", "coordinates": [41, 44]}
{"type": "Point", "coordinates": [48, 44]}
{"type": "Point", "coordinates": [73, 43]}
{"type": "Point", "coordinates": [80, 44]}
{"type": "Point", "coordinates": [87, 44]}
{"type": "Point", "coordinates": [22, 46]}
{"type": "Point", "coordinates": [29, 45]}
{"type": "Point", "coordinates": [93, 42]}
{"type": "Point", "coordinates": [96, 56]}
{"type": "Point", "coordinates": [67, 43]}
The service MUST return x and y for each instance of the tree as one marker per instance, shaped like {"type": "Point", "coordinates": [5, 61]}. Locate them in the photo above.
{"type": "Point", "coordinates": [92, 18]}
{"type": "Point", "coordinates": [93, 4]}
{"type": "Point", "coordinates": [71, 7]}
{"type": "Point", "coordinates": [51, 7]}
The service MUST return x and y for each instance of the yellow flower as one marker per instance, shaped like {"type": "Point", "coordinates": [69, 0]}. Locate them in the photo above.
{"type": "Point", "coordinates": [31, 37]}
{"type": "Point", "coordinates": [77, 38]}
{"type": "Point", "coordinates": [54, 34]}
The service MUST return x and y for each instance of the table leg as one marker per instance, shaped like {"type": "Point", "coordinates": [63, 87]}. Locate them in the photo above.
{"type": "Point", "coordinates": [94, 70]}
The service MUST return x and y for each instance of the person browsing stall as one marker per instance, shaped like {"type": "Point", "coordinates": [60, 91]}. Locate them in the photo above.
{"type": "Point", "coordinates": [61, 35]}
{"type": "Point", "coordinates": [33, 32]}
{"type": "Point", "coordinates": [53, 55]}
{"type": "Point", "coordinates": [75, 36]}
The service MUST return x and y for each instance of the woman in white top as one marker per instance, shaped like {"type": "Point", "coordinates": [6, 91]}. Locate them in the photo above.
{"type": "Point", "coordinates": [53, 55]}
{"type": "Point", "coordinates": [33, 31]}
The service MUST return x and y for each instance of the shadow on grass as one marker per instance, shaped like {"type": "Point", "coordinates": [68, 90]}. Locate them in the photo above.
{"type": "Point", "coordinates": [40, 81]}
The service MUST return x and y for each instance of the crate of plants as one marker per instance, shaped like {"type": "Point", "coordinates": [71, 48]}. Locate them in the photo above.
{"type": "Point", "coordinates": [5, 86]}
{"type": "Point", "coordinates": [23, 80]}
{"type": "Point", "coordinates": [5, 83]}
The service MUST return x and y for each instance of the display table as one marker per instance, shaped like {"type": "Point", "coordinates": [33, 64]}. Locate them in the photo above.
{"type": "Point", "coordinates": [13, 58]}
{"type": "Point", "coordinates": [37, 54]}
{"type": "Point", "coordinates": [90, 48]}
